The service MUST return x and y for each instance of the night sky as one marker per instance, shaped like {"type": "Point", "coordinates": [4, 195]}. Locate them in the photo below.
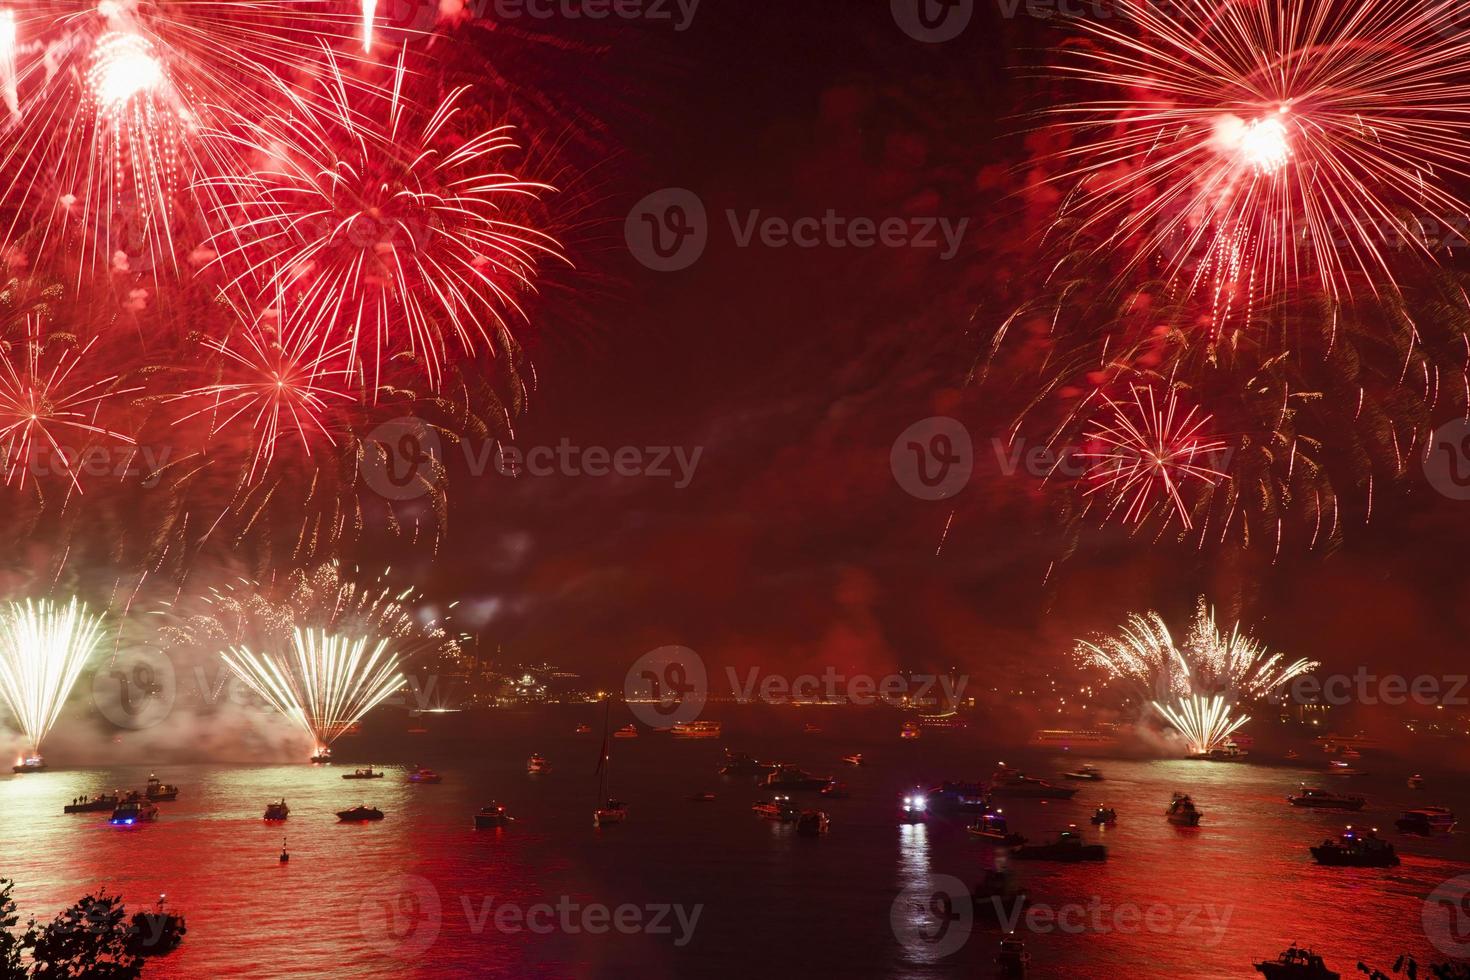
{"type": "Point", "coordinates": [795, 369]}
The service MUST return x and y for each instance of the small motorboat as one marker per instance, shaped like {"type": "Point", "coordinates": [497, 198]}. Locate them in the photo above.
{"type": "Point", "coordinates": [1182, 811]}
{"type": "Point", "coordinates": [627, 731]}
{"type": "Point", "coordinates": [1356, 849]}
{"type": "Point", "coordinates": [360, 814]}
{"type": "Point", "coordinates": [1012, 783]}
{"type": "Point", "coordinates": [1012, 958]}
{"type": "Point", "coordinates": [788, 779]}
{"type": "Point", "coordinates": [702, 797]}
{"type": "Point", "coordinates": [1338, 767]}
{"type": "Point", "coordinates": [914, 807]}
{"type": "Point", "coordinates": [1087, 771]}
{"type": "Point", "coordinates": [856, 759]}
{"type": "Point", "coordinates": [425, 776]}
{"type": "Point", "coordinates": [132, 812]}
{"type": "Point", "coordinates": [368, 773]}
{"type": "Point", "coordinates": [908, 731]}
{"type": "Point", "coordinates": [778, 808]}
{"type": "Point", "coordinates": [492, 816]}
{"type": "Point", "coordinates": [1105, 816]}
{"type": "Point", "coordinates": [31, 763]}
{"type": "Point", "coordinates": [813, 823]}
{"type": "Point", "coordinates": [277, 810]}
{"type": "Point", "coordinates": [1426, 821]}
{"type": "Point", "coordinates": [955, 796]}
{"type": "Point", "coordinates": [614, 811]}
{"type": "Point", "coordinates": [1416, 781]}
{"type": "Point", "coordinates": [745, 764]}
{"type": "Point", "coordinates": [1068, 846]}
{"type": "Point", "coordinates": [1322, 799]}
{"type": "Point", "coordinates": [583, 730]}
{"type": "Point", "coordinates": [323, 757]}
{"type": "Point", "coordinates": [993, 826]}
{"type": "Point", "coordinates": [1296, 964]}
{"type": "Point", "coordinates": [835, 791]}
{"type": "Point", "coordinates": [93, 804]}
{"type": "Point", "coordinates": [810, 729]}
{"type": "Point", "coordinates": [157, 932]}
{"type": "Point", "coordinates": [537, 764]}
{"type": "Point", "coordinates": [159, 791]}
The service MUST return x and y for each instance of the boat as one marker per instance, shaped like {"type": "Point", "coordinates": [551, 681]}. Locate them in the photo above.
{"type": "Point", "coordinates": [368, 773]}
{"type": "Point", "coordinates": [908, 731]}
{"type": "Point", "coordinates": [1068, 846]}
{"type": "Point", "coordinates": [1105, 816]}
{"type": "Point", "coordinates": [537, 764]}
{"type": "Point", "coordinates": [583, 730]}
{"type": "Point", "coordinates": [810, 729]}
{"type": "Point", "coordinates": [696, 729]}
{"type": "Point", "coordinates": [992, 826]}
{"type": "Point", "coordinates": [31, 763]}
{"type": "Point", "coordinates": [953, 795]}
{"type": "Point", "coordinates": [1426, 820]}
{"type": "Point", "coordinates": [93, 804]}
{"type": "Point", "coordinates": [1012, 957]}
{"type": "Point", "coordinates": [1229, 752]}
{"type": "Point", "coordinates": [702, 798]}
{"type": "Point", "coordinates": [943, 720]}
{"type": "Point", "coordinates": [359, 814]}
{"type": "Point", "coordinates": [1338, 767]}
{"type": "Point", "coordinates": [131, 812]}
{"type": "Point", "coordinates": [1086, 771]}
{"type": "Point", "coordinates": [159, 791]}
{"type": "Point", "coordinates": [609, 811]}
{"type": "Point", "coordinates": [627, 731]}
{"type": "Point", "coordinates": [793, 779]}
{"type": "Point", "coordinates": [745, 764]}
{"type": "Point", "coordinates": [1296, 963]}
{"type": "Point", "coordinates": [425, 776]}
{"type": "Point", "coordinates": [1182, 812]}
{"type": "Point", "coordinates": [1350, 753]}
{"type": "Point", "coordinates": [779, 808]}
{"type": "Point", "coordinates": [277, 810]}
{"type": "Point", "coordinates": [856, 759]}
{"type": "Point", "coordinates": [1356, 849]}
{"type": "Point", "coordinates": [1067, 739]}
{"type": "Point", "coordinates": [835, 791]}
{"type": "Point", "coordinates": [1014, 784]}
{"type": "Point", "coordinates": [1322, 799]}
{"type": "Point", "coordinates": [813, 823]}
{"type": "Point", "coordinates": [492, 816]}
{"type": "Point", "coordinates": [157, 932]}
{"type": "Point", "coordinates": [323, 757]}
{"type": "Point", "coordinates": [914, 807]}
{"type": "Point", "coordinates": [1416, 781]}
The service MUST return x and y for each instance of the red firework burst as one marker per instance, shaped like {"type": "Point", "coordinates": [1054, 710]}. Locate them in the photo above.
{"type": "Point", "coordinates": [384, 222]}
{"type": "Point", "coordinates": [1251, 145]}
{"type": "Point", "coordinates": [1151, 452]}
{"type": "Point", "coordinates": [44, 405]}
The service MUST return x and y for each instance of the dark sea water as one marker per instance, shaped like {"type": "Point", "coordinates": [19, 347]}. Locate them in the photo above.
{"type": "Point", "coordinates": [419, 893]}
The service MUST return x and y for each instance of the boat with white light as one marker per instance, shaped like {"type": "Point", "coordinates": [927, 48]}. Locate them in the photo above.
{"type": "Point", "coordinates": [696, 729]}
{"type": "Point", "coordinates": [1320, 799]}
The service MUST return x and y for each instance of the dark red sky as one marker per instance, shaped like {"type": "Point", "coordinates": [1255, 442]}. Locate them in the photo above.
{"type": "Point", "coordinates": [794, 371]}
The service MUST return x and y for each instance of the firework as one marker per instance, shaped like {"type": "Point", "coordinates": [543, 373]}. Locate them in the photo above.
{"type": "Point", "coordinates": [1205, 723]}
{"type": "Point", "coordinates": [1141, 653]}
{"type": "Point", "coordinates": [382, 223]}
{"type": "Point", "coordinates": [1258, 145]}
{"type": "Point", "coordinates": [327, 683]}
{"type": "Point", "coordinates": [43, 402]}
{"type": "Point", "coordinates": [7, 62]}
{"type": "Point", "coordinates": [1220, 661]}
{"type": "Point", "coordinates": [1150, 452]}
{"type": "Point", "coordinates": [43, 647]}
